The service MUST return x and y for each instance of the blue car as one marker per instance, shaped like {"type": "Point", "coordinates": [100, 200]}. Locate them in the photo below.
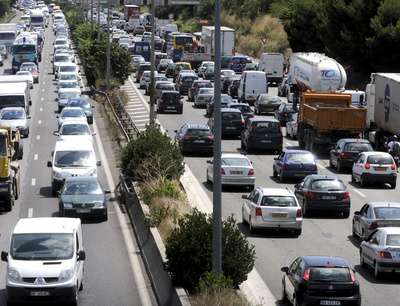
{"type": "Point", "coordinates": [294, 164]}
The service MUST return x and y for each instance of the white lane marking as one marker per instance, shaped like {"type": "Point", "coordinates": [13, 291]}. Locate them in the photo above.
{"type": "Point", "coordinates": [30, 212]}
{"type": "Point", "coordinates": [39, 122]}
{"type": "Point", "coordinates": [42, 99]}
{"type": "Point", "coordinates": [41, 109]}
{"type": "Point", "coordinates": [320, 166]}
{"type": "Point", "coordinates": [125, 229]}
{"type": "Point", "coordinates": [44, 82]}
{"type": "Point", "coordinates": [33, 183]}
{"type": "Point", "coordinates": [37, 137]}
{"type": "Point", "coordinates": [35, 157]}
{"type": "Point", "coordinates": [43, 89]}
{"type": "Point", "coordinates": [359, 193]}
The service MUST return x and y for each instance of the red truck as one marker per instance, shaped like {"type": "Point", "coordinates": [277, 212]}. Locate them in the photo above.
{"type": "Point", "coordinates": [131, 11]}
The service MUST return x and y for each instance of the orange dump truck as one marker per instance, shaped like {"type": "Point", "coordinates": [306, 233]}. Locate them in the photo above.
{"type": "Point", "coordinates": [326, 117]}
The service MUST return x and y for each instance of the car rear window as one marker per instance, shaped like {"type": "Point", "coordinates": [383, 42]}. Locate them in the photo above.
{"type": "Point", "coordinates": [242, 108]}
{"type": "Point", "coordinates": [357, 147]}
{"type": "Point", "coordinates": [393, 239]}
{"type": "Point", "coordinates": [233, 161]}
{"type": "Point", "coordinates": [387, 212]}
{"type": "Point", "coordinates": [262, 127]}
{"type": "Point", "coordinates": [300, 158]}
{"type": "Point", "coordinates": [379, 159]}
{"type": "Point", "coordinates": [231, 116]}
{"type": "Point", "coordinates": [279, 201]}
{"type": "Point", "coordinates": [328, 274]}
{"type": "Point", "coordinates": [199, 132]}
{"type": "Point", "coordinates": [328, 185]}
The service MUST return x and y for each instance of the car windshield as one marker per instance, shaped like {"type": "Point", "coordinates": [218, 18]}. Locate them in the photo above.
{"type": "Point", "coordinates": [327, 185]}
{"type": "Point", "coordinates": [67, 69]}
{"type": "Point", "coordinates": [387, 212]}
{"type": "Point", "coordinates": [68, 95]}
{"type": "Point", "coordinates": [74, 159]}
{"type": "Point", "coordinates": [379, 159]}
{"type": "Point", "coordinates": [269, 99]}
{"type": "Point", "coordinates": [79, 103]}
{"type": "Point", "coordinates": [72, 113]}
{"type": "Point", "coordinates": [67, 77]}
{"type": "Point", "coordinates": [279, 201]}
{"type": "Point", "coordinates": [13, 114]}
{"type": "Point", "coordinates": [75, 129]}
{"type": "Point", "coordinates": [262, 127]}
{"type": "Point", "coordinates": [69, 84]}
{"type": "Point", "coordinates": [61, 58]}
{"type": "Point", "coordinates": [357, 147]}
{"type": "Point", "coordinates": [203, 91]}
{"type": "Point", "coordinates": [226, 99]}
{"type": "Point", "coordinates": [170, 96]}
{"type": "Point", "coordinates": [328, 274]}
{"type": "Point", "coordinates": [300, 158]}
{"type": "Point", "coordinates": [228, 73]}
{"type": "Point", "coordinates": [189, 79]}
{"type": "Point", "coordinates": [235, 161]}
{"type": "Point", "coordinates": [42, 246]}
{"type": "Point", "coordinates": [393, 239]}
{"type": "Point", "coordinates": [199, 132]}
{"type": "Point", "coordinates": [81, 187]}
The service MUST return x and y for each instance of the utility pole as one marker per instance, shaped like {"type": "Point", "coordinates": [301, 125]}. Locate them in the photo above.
{"type": "Point", "coordinates": [91, 15]}
{"type": "Point", "coordinates": [217, 221]}
{"type": "Point", "coordinates": [98, 20]}
{"type": "Point", "coordinates": [153, 62]}
{"type": "Point", "coordinates": [108, 76]}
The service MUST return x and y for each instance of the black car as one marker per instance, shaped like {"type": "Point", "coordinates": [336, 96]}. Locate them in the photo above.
{"type": "Point", "coordinates": [226, 82]}
{"type": "Point", "coordinates": [232, 122]}
{"type": "Point", "coordinates": [196, 85]}
{"type": "Point", "coordinates": [184, 82]}
{"type": "Point", "coordinates": [261, 133]}
{"type": "Point", "coordinates": [170, 101]}
{"type": "Point", "coordinates": [323, 193]}
{"type": "Point", "coordinates": [244, 108]}
{"type": "Point", "coordinates": [233, 88]}
{"type": "Point", "coordinates": [346, 151]}
{"type": "Point", "coordinates": [225, 101]}
{"type": "Point", "coordinates": [195, 138]}
{"type": "Point", "coordinates": [169, 72]}
{"type": "Point", "coordinates": [320, 280]}
{"type": "Point", "coordinates": [266, 104]}
{"type": "Point", "coordinates": [83, 196]}
{"type": "Point", "coordinates": [284, 112]}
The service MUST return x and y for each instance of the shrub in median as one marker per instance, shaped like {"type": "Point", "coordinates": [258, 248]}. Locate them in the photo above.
{"type": "Point", "coordinates": [152, 155]}
{"type": "Point", "coordinates": [189, 250]}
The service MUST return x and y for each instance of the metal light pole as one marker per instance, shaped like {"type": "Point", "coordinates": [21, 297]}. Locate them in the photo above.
{"type": "Point", "coordinates": [98, 20]}
{"type": "Point", "coordinates": [153, 62]}
{"type": "Point", "coordinates": [217, 222]}
{"type": "Point", "coordinates": [108, 76]}
{"type": "Point", "coordinates": [91, 15]}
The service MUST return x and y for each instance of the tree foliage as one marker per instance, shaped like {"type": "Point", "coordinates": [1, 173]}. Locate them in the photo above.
{"type": "Point", "coordinates": [189, 251]}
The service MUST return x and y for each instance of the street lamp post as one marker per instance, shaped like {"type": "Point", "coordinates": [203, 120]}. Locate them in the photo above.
{"type": "Point", "coordinates": [152, 59]}
{"type": "Point", "coordinates": [217, 222]}
{"type": "Point", "coordinates": [108, 72]}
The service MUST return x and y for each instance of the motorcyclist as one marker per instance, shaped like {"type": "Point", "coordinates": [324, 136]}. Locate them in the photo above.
{"type": "Point", "coordinates": [394, 146]}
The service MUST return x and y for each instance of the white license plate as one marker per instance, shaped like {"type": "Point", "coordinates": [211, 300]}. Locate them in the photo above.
{"type": "Point", "coordinates": [329, 303]}
{"type": "Point", "coordinates": [230, 128]}
{"type": "Point", "coordinates": [83, 211]}
{"type": "Point", "coordinates": [279, 215]}
{"type": "Point", "coordinates": [328, 198]}
{"type": "Point", "coordinates": [236, 172]}
{"type": "Point", "coordinates": [40, 293]}
{"type": "Point", "coordinates": [199, 141]}
{"type": "Point", "coordinates": [266, 141]}
{"type": "Point", "coordinates": [170, 107]}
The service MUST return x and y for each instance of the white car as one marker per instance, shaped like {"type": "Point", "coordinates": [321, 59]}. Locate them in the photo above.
{"type": "Point", "coordinates": [71, 114]}
{"type": "Point", "coordinates": [67, 84]}
{"type": "Point", "coordinates": [204, 65]}
{"type": "Point", "coordinates": [145, 78]}
{"type": "Point", "coordinates": [236, 170]}
{"type": "Point", "coordinates": [60, 59]}
{"type": "Point", "coordinates": [67, 67]}
{"type": "Point", "coordinates": [374, 167]}
{"type": "Point", "coordinates": [71, 130]}
{"type": "Point", "coordinates": [45, 256]}
{"type": "Point", "coordinates": [28, 75]}
{"type": "Point", "coordinates": [68, 76]}
{"type": "Point", "coordinates": [16, 118]}
{"type": "Point", "coordinates": [272, 208]}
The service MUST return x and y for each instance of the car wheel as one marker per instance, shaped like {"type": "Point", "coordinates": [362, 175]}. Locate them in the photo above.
{"type": "Point", "coordinates": [393, 185]}
{"type": "Point", "coordinates": [284, 298]}
{"type": "Point", "coordinates": [297, 232]}
{"type": "Point", "coordinates": [274, 173]}
{"type": "Point", "coordinates": [242, 144]}
{"type": "Point", "coordinates": [250, 187]}
{"type": "Point", "coordinates": [353, 231]}
{"type": "Point", "coordinates": [281, 178]}
{"type": "Point", "coordinates": [362, 262]}
{"type": "Point", "coordinates": [330, 163]}
{"type": "Point", "coordinates": [339, 166]}
{"type": "Point", "coordinates": [377, 273]}
{"type": "Point", "coordinates": [9, 204]}
{"type": "Point", "coordinates": [243, 219]}
{"type": "Point", "coordinates": [208, 179]}
{"type": "Point", "coordinates": [305, 210]}
{"type": "Point", "coordinates": [251, 228]}
{"type": "Point", "coordinates": [362, 182]}
{"type": "Point", "coordinates": [346, 214]}
{"type": "Point", "coordinates": [353, 179]}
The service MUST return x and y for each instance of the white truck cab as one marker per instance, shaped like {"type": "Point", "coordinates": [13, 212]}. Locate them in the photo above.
{"type": "Point", "coordinates": [45, 260]}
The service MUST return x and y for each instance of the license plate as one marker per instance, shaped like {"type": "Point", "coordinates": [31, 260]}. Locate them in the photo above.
{"type": "Point", "coordinates": [379, 168]}
{"type": "Point", "coordinates": [236, 172]}
{"type": "Point", "coordinates": [199, 141]}
{"type": "Point", "coordinates": [279, 215]}
{"type": "Point", "coordinates": [83, 211]}
{"type": "Point", "coordinates": [328, 197]}
{"type": "Point", "coordinates": [40, 293]}
{"type": "Point", "coordinates": [170, 107]}
{"type": "Point", "coordinates": [329, 303]}
{"type": "Point", "coordinates": [230, 128]}
{"type": "Point", "coordinates": [266, 141]}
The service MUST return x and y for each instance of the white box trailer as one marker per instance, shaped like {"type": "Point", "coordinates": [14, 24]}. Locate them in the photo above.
{"type": "Point", "coordinates": [15, 95]}
{"type": "Point", "coordinates": [272, 65]}
{"type": "Point", "coordinates": [227, 40]}
{"type": "Point", "coordinates": [12, 78]}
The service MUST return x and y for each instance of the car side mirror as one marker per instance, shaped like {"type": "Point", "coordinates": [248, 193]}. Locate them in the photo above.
{"type": "Point", "coordinates": [297, 186]}
{"type": "Point", "coordinates": [94, 134]}
{"type": "Point", "coordinates": [4, 256]}
{"type": "Point", "coordinates": [49, 164]}
{"type": "Point", "coordinates": [29, 117]}
{"type": "Point", "coordinates": [245, 196]}
{"type": "Point", "coordinates": [98, 163]}
{"type": "Point", "coordinates": [209, 162]}
{"type": "Point", "coordinates": [107, 191]}
{"type": "Point", "coordinates": [81, 255]}
{"type": "Point", "coordinates": [56, 99]}
{"type": "Point", "coordinates": [276, 158]}
{"type": "Point", "coordinates": [285, 270]}
{"type": "Point", "coordinates": [357, 213]}
{"type": "Point", "coordinates": [55, 133]}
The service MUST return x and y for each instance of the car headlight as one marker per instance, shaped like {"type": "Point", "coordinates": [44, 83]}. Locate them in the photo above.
{"type": "Point", "coordinates": [98, 204]}
{"type": "Point", "coordinates": [20, 127]}
{"type": "Point", "coordinates": [13, 275]}
{"type": "Point", "coordinates": [66, 275]}
{"type": "Point", "coordinates": [67, 205]}
{"type": "Point", "coordinates": [57, 174]}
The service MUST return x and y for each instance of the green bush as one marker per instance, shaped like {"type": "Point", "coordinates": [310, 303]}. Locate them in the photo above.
{"type": "Point", "coordinates": [189, 250]}
{"type": "Point", "coordinates": [212, 282]}
{"type": "Point", "coordinates": [158, 188]}
{"type": "Point", "coordinates": [152, 155]}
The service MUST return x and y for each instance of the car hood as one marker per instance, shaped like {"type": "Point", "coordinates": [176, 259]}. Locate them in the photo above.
{"type": "Point", "coordinates": [37, 268]}
{"type": "Point", "coordinates": [13, 123]}
{"type": "Point", "coordinates": [82, 198]}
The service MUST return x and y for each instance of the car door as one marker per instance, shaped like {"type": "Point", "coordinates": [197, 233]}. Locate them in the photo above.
{"type": "Point", "coordinates": [290, 279]}
{"type": "Point", "coordinates": [362, 226]}
{"type": "Point", "coordinates": [357, 167]}
{"type": "Point", "coordinates": [335, 153]}
{"type": "Point", "coordinates": [278, 162]}
{"type": "Point", "coordinates": [299, 191]}
{"type": "Point", "coordinates": [370, 246]}
{"type": "Point", "coordinates": [247, 205]}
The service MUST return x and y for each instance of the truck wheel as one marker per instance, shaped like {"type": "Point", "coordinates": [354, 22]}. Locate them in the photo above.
{"type": "Point", "coordinates": [9, 204]}
{"type": "Point", "coordinates": [339, 167]}
{"type": "Point", "coordinates": [393, 185]}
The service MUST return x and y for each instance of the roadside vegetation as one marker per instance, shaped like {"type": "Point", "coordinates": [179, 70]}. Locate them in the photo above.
{"type": "Point", "coordinates": [154, 161]}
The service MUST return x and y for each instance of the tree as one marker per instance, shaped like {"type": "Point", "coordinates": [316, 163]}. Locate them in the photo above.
{"type": "Point", "coordinates": [189, 251]}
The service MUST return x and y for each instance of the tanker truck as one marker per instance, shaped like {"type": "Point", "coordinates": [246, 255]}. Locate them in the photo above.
{"type": "Point", "coordinates": [383, 108]}
{"type": "Point", "coordinates": [325, 114]}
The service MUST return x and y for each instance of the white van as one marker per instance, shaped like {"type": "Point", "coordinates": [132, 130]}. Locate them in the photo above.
{"type": "Point", "coordinates": [357, 97]}
{"type": "Point", "coordinates": [72, 158]}
{"type": "Point", "coordinates": [272, 65]}
{"type": "Point", "coordinates": [252, 84]}
{"type": "Point", "coordinates": [45, 260]}
{"type": "Point", "coordinates": [15, 94]}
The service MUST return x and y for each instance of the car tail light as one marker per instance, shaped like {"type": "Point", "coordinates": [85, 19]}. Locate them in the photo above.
{"type": "Point", "coordinates": [309, 194]}
{"type": "Point", "coordinates": [314, 167]}
{"type": "Point", "coordinates": [210, 137]}
{"type": "Point", "coordinates": [285, 167]}
{"type": "Point", "coordinates": [258, 211]}
{"type": "Point", "coordinates": [373, 225]}
{"type": "Point", "coordinates": [299, 213]}
{"type": "Point", "coordinates": [251, 172]}
{"type": "Point", "coordinates": [353, 276]}
{"type": "Point", "coordinates": [367, 166]}
{"type": "Point", "coordinates": [306, 275]}
{"type": "Point", "coordinates": [344, 154]}
{"type": "Point", "coordinates": [393, 167]}
{"type": "Point", "coordinates": [346, 195]}
{"type": "Point", "coordinates": [242, 121]}
{"type": "Point", "coordinates": [187, 137]}
{"type": "Point", "coordinates": [384, 254]}
{"type": "Point", "coordinates": [222, 171]}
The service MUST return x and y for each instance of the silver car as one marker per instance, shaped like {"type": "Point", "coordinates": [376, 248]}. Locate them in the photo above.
{"type": "Point", "coordinates": [236, 169]}
{"type": "Point", "coordinates": [272, 208]}
{"type": "Point", "coordinates": [160, 86]}
{"type": "Point", "coordinates": [16, 118]}
{"type": "Point", "coordinates": [381, 251]}
{"type": "Point", "coordinates": [373, 215]}
{"type": "Point", "coordinates": [202, 99]}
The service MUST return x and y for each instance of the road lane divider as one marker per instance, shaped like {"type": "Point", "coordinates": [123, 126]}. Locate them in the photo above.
{"type": "Point", "coordinates": [30, 212]}
{"type": "Point", "coordinates": [33, 182]}
{"type": "Point", "coordinates": [359, 192]}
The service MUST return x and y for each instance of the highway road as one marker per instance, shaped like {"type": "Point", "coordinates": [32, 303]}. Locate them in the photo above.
{"type": "Point", "coordinates": [322, 235]}
{"type": "Point", "coordinates": [114, 272]}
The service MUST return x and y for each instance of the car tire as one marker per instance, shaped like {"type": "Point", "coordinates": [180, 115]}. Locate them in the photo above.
{"type": "Point", "coordinates": [243, 219]}
{"type": "Point", "coordinates": [9, 204]}
{"type": "Point", "coordinates": [251, 228]}
{"type": "Point", "coordinates": [297, 232]}
{"type": "Point", "coordinates": [104, 218]}
{"type": "Point", "coordinates": [393, 185]}
{"type": "Point", "coordinates": [281, 178]}
{"type": "Point", "coordinates": [207, 179]}
{"type": "Point", "coordinates": [305, 210]}
{"type": "Point", "coordinates": [250, 187]}
{"type": "Point", "coordinates": [377, 273]}
{"type": "Point", "coordinates": [363, 183]}
{"type": "Point", "coordinates": [284, 298]}
{"type": "Point", "coordinates": [345, 214]}
{"type": "Point", "coordinates": [339, 167]}
{"type": "Point", "coordinates": [353, 179]}
{"type": "Point", "coordinates": [353, 231]}
{"type": "Point", "coordinates": [274, 173]}
{"type": "Point", "coordinates": [362, 262]}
